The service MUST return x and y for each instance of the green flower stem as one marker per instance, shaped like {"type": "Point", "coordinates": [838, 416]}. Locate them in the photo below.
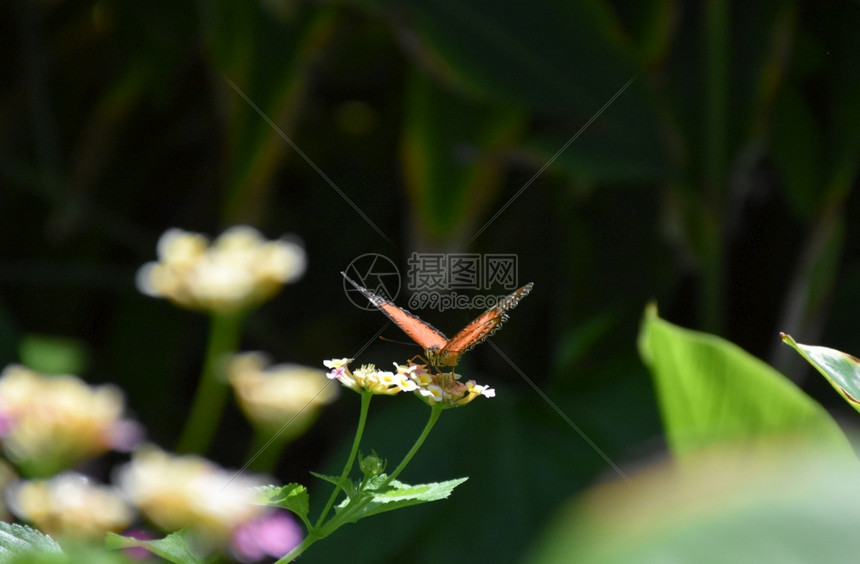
{"type": "Point", "coordinates": [362, 420]}
{"type": "Point", "coordinates": [211, 392]}
{"type": "Point", "coordinates": [321, 531]}
{"type": "Point", "coordinates": [314, 533]}
{"type": "Point", "coordinates": [347, 514]}
{"type": "Point", "coordinates": [435, 411]}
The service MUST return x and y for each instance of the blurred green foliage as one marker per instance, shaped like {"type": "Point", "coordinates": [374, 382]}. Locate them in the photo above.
{"type": "Point", "coordinates": [719, 182]}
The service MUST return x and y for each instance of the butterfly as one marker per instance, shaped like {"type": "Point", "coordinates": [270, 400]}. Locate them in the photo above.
{"type": "Point", "coordinates": [439, 350]}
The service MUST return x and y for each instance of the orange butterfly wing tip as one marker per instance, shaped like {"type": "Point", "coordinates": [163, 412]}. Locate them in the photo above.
{"type": "Point", "coordinates": [486, 324]}
{"type": "Point", "coordinates": [419, 331]}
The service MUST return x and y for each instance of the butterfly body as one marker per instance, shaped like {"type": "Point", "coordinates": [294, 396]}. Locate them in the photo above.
{"type": "Point", "coordinates": [439, 350]}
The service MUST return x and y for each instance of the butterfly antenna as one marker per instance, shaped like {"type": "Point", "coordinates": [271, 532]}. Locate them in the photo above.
{"type": "Point", "coordinates": [407, 343]}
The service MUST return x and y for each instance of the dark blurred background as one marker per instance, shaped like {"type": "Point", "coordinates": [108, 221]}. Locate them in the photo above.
{"type": "Point", "coordinates": [718, 183]}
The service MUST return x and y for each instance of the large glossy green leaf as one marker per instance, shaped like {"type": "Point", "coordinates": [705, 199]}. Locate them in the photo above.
{"type": "Point", "coordinates": [841, 369]}
{"type": "Point", "coordinates": [710, 392]}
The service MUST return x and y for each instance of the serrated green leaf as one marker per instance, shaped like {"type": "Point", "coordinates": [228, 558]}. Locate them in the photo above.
{"type": "Point", "coordinates": [398, 491]}
{"type": "Point", "coordinates": [292, 497]}
{"type": "Point", "coordinates": [397, 495]}
{"type": "Point", "coordinates": [325, 477]}
{"type": "Point", "coordinates": [18, 539]}
{"type": "Point", "coordinates": [841, 369]}
{"type": "Point", "coordinates": [710, 392]}
{"type": "Point", "coordinates": [348, 485]}
{"type": "Point", "coordinates": [175, 547]}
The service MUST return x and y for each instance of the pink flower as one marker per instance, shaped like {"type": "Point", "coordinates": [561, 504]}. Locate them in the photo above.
{"type": "Point", "coordinates": [273, 534]}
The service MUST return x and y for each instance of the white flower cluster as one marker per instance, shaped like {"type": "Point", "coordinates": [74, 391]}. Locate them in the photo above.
{"type": "Point", "coordinates": [240, 269]}
{"type": "Point", "coordinates": [433, 388]}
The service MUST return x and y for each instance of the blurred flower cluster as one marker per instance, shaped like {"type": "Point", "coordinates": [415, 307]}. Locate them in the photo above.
{"type": "Point", "coordinates": [433, 388]}
{"type": "Point", "coordinates": [70, 505]}
{"type": "Point", "coordinates": [222, 508]}
{"type": "Point", "coordinates": [49, 423]}
{"type": "Point", "coordinates": [271, 396]}
{"type": "Point", "coordinates": [189, 491]}
{"type": "Point", "coordinates": [239, 270]}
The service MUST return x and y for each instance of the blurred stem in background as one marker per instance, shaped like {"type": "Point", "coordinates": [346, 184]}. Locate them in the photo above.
{"type": "Point", "coordinates": [264, 450]}
{"type": "Point", "coordinates": [714, 174]}
{"type": "Point", "coordinates": [212, 390]}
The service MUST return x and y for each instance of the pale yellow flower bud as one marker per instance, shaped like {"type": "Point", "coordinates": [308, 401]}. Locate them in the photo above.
{"type": "Point", "coordinates": [271, 396]}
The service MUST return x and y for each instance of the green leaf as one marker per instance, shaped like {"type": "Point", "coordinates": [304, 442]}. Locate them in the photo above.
{"type": "Point", "coordinates": [798, 506]}
{"type": "Point", "coordinates": [710, 392]}
{"type": "Point", "coordinates": [325, 477]}
{"type": "Point", "coordinates": [292, 497]}
{"type": "Point", "coordinates": [397, 495]}
{"type": "Point", "coordinates": [176, 547]}
{"type": "Point", "coordinates": [349, 487]}
{"type": "Point", "coordinates": [19, 539]}
{"type": "Point", "coordinates": [841, 369]}
{"type": "Point", "coordinates": [50, 354]}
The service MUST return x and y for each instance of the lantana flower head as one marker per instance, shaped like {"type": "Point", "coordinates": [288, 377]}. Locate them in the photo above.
{"type": "Point", "coordinates": [189, 491]}
{"type": "Point", "coordinates": [70, 505]}
{"type": "Point", "coordinates": [273, 395]}
{"type": "Point", "coordinates": [367, 377]}
{"type": "Point", "coordinates": [444, 387]}
{"type": "Point", "coordinates": [431, 387]}
{"type": "Point", "coordinates": [240, 269]}
{"type": "Point", "coordinates": [48, 423]}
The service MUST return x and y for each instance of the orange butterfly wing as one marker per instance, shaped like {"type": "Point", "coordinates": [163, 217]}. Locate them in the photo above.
{"type": "Point", "coordinates": [484, 326]}
{"type": "Point", "coordinates": [419, 331]}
